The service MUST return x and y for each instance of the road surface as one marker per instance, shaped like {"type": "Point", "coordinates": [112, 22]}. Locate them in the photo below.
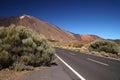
{"type": "Point", "coordinates": [90, 67]}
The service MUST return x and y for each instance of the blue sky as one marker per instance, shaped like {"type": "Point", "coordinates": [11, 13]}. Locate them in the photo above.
{"type": "Point", "coordinates": [99, 17]}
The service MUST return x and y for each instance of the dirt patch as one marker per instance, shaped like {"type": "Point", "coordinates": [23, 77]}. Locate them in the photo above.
{"type": "Point", "coordinates": [7, 74]}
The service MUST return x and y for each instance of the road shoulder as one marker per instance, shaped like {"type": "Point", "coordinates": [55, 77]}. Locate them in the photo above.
{"type": "Point", "coordinates": [55, 72]}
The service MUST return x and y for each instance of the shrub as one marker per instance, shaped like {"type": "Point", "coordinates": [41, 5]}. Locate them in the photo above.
{"type": "Point", "coordinates": [77, 45]}
{"type": "Point", "coordinates": [22, 48]}
{"type": "Point", "coordinates": [5, 59]}
{"type": "Point", "coordinates": [104, 45]}
{"type": "Point", "coordinates": [19, 66]}
{"type": "Point", "coordinates": [48, 59]}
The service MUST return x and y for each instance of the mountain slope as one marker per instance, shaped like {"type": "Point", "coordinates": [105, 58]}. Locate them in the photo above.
{"type": "Point", "coordinates": [115, 40]}
{"type": "Point", "coordinates": [51, 32]}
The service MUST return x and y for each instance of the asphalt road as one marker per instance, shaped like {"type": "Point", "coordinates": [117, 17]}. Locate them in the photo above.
{"type": "Point", "coordinates": [89, 66]}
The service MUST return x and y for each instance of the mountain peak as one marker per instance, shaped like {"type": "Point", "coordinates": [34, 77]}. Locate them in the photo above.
{"type": "Point", "coordinates": [24, 15]}
{"type": "Point", "coordinates": [50, 31]}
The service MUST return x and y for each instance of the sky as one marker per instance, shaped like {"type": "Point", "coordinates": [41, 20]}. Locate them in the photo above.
{"type": "Point", "coordinates": [98, 17]}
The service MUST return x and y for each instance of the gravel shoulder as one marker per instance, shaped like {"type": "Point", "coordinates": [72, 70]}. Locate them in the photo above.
{"type": "Point", "coordinates": [54, 72]}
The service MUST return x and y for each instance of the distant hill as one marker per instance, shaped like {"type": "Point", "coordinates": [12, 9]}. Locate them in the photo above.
{"type": "Point", "coordinates": [50, 31]}
{"type": "Point", "coordinates": [116, 41]}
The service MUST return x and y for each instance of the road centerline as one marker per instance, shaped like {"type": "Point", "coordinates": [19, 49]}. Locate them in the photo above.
{"type": "Point", "coordinates": [75, 72]}
{"type": "Point", "coordinates": [97, 61]}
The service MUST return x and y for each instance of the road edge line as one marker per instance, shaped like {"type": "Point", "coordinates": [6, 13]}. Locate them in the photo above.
{"type": "Point", "coordinates": [75, 72]}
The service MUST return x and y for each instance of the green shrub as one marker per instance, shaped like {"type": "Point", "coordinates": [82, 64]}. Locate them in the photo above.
{"type": "Point", "coordinates": [104, 45]}
{"type": "Point", "coordinates": [23, 47]}
{"type": "Point", "coordinates": [5, 59]}
{"type": "Point", "coordinates": [77, 45]}
{"type": "Point", "coordinates": [47, 59]}
{"type": "Point", "coordinates": [27, 41]}
{"type": "Point", "coordinates": [19, 66]}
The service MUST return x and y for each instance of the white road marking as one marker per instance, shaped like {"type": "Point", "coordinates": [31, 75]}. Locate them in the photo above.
{"type": "Point", "coordinates": [104, 57]}
{"type": "Point", "coordinates": [97, 61]}
{"type": "Point", "coordinates": [71, 53]}
{"type": "Point", "coordinates": [75, 72]}
{"type": "Point", "coordinates": [112, 58]}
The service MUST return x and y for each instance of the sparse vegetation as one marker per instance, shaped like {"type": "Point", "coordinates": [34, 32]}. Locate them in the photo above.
{"type": "Point", "coordinates": [106, 48]}
{"type": "Point", "coordinates": [104, 45]}
{"type": "Point", "coordinates": [77, 45]}
{"type": "Point", "coordinates": [22, 48]}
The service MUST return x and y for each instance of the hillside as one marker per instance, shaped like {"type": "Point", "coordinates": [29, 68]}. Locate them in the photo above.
{"type": "Point", "coordinates": [50, 31]}
{"type": "Point", "coordinates": [116, 41]}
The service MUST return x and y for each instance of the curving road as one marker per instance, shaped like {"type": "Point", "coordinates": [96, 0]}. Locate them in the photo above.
{"type": "Point", "coordinates": [89, 66]}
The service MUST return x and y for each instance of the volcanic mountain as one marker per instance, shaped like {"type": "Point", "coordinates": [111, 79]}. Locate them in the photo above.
{"type": "Point", "coordinates": [50, 31]}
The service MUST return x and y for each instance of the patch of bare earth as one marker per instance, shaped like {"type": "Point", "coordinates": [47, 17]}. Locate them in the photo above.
{"type": "Point", "coordinates": [7, 74]}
